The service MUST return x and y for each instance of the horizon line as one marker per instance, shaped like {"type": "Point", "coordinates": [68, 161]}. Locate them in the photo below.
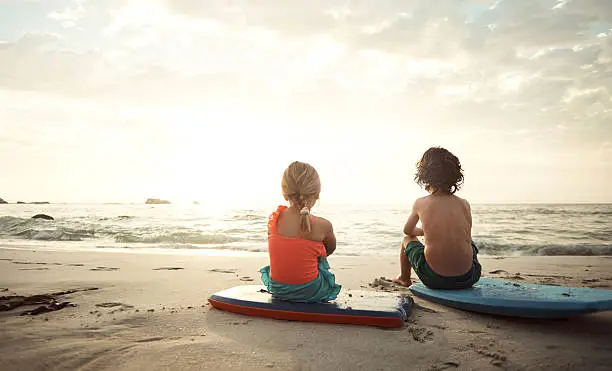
{"type": "Point", "coordinates": [201, 203]}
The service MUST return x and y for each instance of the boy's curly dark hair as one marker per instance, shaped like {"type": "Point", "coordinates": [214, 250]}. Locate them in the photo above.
{"type": "Point", "coordinates": [439, 170]}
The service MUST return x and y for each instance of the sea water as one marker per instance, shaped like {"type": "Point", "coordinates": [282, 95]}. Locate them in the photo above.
{"type": "Point", "coordinates": [517, 229]}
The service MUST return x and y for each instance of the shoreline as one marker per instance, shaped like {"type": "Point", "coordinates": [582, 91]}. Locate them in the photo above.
{"type": "Point", "coordinates": [144, 250]}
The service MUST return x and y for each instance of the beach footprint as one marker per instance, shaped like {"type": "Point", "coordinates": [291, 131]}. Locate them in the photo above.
{"type": "Point", "coordinates": [497, 357]}
{"type": "Point", "coordinates": [113, 305]}
{"type": "Point", "coordinates": [168, 269]}
{"type": "Point", "coordinates": [150, 340]}
{"type": "Point", "coordinates": [104, 269]}
{"type": "Point", "coordinates": [444, 366]}
{"type": "Point", "coordinates": [219, 270]}
{"type": "Point", "coordinates": [387, 285]}
{"type": "Point", "coordinates": [424, 309]}
{"type": "Point", "coordinates": [33, 269]}
{"type": "Point", "coordinates": [421, 334]}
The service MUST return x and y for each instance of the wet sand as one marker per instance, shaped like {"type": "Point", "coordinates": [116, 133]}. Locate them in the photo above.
{"type": "Point", "coordinates": [126, 311]}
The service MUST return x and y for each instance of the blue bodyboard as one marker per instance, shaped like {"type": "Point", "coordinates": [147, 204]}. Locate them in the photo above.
{"type": "Point", "coordinates": [516, 299]}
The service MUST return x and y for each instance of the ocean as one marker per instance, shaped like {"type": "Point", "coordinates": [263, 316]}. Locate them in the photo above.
{"type": "Point", "coordinates": [516, 229]}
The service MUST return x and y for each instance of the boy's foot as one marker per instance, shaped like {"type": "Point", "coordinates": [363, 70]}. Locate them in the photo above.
{"type": "Point", "coordinates": [400, 281]}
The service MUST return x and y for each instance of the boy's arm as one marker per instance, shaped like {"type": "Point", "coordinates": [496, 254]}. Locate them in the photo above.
{"type": "Point", "coordinates": [330, 240]}
{"type": "Point", "coordinates": [410, 227]}
{"type": "Point", "coordinates": [417, 232]}
{"type": "Point", "coordinates": [469, 212]}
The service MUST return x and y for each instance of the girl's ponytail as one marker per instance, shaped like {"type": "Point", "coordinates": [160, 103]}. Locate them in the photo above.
{"type": "Point", "coordinates": [305, 215]}
{"type": "Point", "coordinates": [301, 186]}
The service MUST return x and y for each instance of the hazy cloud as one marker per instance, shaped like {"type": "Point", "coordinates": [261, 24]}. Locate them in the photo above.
{"type": "Point", "coordinates": [71, 15]}
{"type": "Point", "coordinates": [546, 62]}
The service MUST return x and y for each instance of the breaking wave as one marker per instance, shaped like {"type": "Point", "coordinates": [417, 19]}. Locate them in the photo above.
{"type": "Point", "coordinates": [42, 230]}
{"type": "Point", "coordinates": [578, 249]}
{"type": "Point", "coordinates": [177, 237]}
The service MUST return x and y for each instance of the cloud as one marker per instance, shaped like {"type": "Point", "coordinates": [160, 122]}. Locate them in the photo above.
{"type": "Point", "coordinates": [70, 16]}
{"type": "Point", "coordinates": [595, 9]}
{"type": "Point", "coordinates": [543, 62]}
{"type": "Point", "coordinates": [35, 63]}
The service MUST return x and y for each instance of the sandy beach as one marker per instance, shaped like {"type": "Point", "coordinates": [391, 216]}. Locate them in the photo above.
{"type": "Point", "coordinates": [149, 311]}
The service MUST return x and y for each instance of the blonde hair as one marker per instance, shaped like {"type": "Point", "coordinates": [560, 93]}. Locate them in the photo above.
{"type": "Point", "coordinates": [301, 187]}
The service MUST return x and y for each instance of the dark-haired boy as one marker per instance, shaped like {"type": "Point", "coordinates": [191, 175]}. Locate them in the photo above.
{"type": "Point", "coordinates": [448, 260]}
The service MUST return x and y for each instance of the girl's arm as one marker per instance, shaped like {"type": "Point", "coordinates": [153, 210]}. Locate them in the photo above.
{"type": "Point", "coordinates": [330, 240]}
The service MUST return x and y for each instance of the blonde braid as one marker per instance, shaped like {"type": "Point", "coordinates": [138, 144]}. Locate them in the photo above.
{"type": "Point", "coordinates": [305, 215]}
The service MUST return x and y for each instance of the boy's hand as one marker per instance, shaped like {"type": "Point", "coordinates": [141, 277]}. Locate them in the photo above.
{"type": "Point", "coordinates": [417, 232]}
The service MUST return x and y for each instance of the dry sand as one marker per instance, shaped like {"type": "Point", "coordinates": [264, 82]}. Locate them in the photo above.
{"type": "Point", "coordinates": [144, 311]}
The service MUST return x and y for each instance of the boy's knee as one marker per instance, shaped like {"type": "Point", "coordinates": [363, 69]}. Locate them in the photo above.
{"type": "Point", "coordinates": [407, 240]}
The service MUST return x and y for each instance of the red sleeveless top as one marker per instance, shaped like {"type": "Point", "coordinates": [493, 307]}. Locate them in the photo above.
{"type": "Point", "coordinates": [293, 260]}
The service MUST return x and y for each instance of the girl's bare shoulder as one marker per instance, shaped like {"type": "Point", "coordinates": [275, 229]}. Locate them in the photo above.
{"type": "Point", "coordinates": [322, 224]}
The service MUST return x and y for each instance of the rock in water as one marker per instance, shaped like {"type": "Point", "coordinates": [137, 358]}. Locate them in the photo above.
{"type": "Point", "coordinates": [42, 216]}
{"type": "Point", "coordinates": [3, 202]}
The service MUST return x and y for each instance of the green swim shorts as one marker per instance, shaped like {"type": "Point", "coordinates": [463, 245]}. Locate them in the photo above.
{"type": "Point", "coordinates": [415, 251]}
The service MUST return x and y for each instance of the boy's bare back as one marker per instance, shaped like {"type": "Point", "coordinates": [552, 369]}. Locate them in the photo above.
{"type": "Point", "coordinates": [447, 224]}
{"type": "Point", "coordinates": [448, 258]}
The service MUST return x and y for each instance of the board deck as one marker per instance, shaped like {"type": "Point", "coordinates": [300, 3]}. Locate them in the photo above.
{"type": "Point", "coordinates": [351, 307]}
{"type": "Point", "coordinates": [517, 299]}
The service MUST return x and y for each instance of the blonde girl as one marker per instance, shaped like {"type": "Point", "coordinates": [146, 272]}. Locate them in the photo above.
{"type": "Point", "coordinates": [299, 243]}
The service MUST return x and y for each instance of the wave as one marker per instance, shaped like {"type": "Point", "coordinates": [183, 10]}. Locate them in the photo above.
{"type": "Point", "coordinates": [606, 213]}
{"type": "Point", "coordinates": [601, 235]}
{"type": "Point", "coordinates": [42, 230]}
{"type": "Point", "coordinates": [180, 246]}
{"type": "Point", "coordinates": [584, 249]}
{"type": "Point", "coordinates": [196, 238]}
{"type": "Point", "coordinates": [54, 235]}
{"type": "Point", "coordinates": [120, 217]}
{"type": "Point", "coordinates": [248, 217]}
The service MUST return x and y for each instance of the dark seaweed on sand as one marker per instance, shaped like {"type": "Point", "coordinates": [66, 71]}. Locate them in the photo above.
{"type": "Point", "coordinates": [44, 302]}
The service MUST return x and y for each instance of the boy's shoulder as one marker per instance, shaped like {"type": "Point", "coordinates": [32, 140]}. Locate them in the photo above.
{"type": "Point", "coordinates": [463, 201]}
{"type": "Point", "coordinates": [430, 198]}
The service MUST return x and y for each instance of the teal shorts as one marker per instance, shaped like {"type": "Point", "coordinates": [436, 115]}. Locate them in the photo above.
{"type": "Point", "coordinates": [415, 251]}
{"type": "Point", "coordinates": [320, 290]}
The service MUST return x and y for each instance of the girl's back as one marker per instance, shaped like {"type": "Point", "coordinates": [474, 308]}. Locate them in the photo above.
{"type": "Point", "coordinates": [290, 222]}
{"type": "Point", "coordinates": [294, 258]}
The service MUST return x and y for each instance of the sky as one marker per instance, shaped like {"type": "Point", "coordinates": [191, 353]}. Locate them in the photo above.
{"type": "Point", "coordinates": [120, 100]}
